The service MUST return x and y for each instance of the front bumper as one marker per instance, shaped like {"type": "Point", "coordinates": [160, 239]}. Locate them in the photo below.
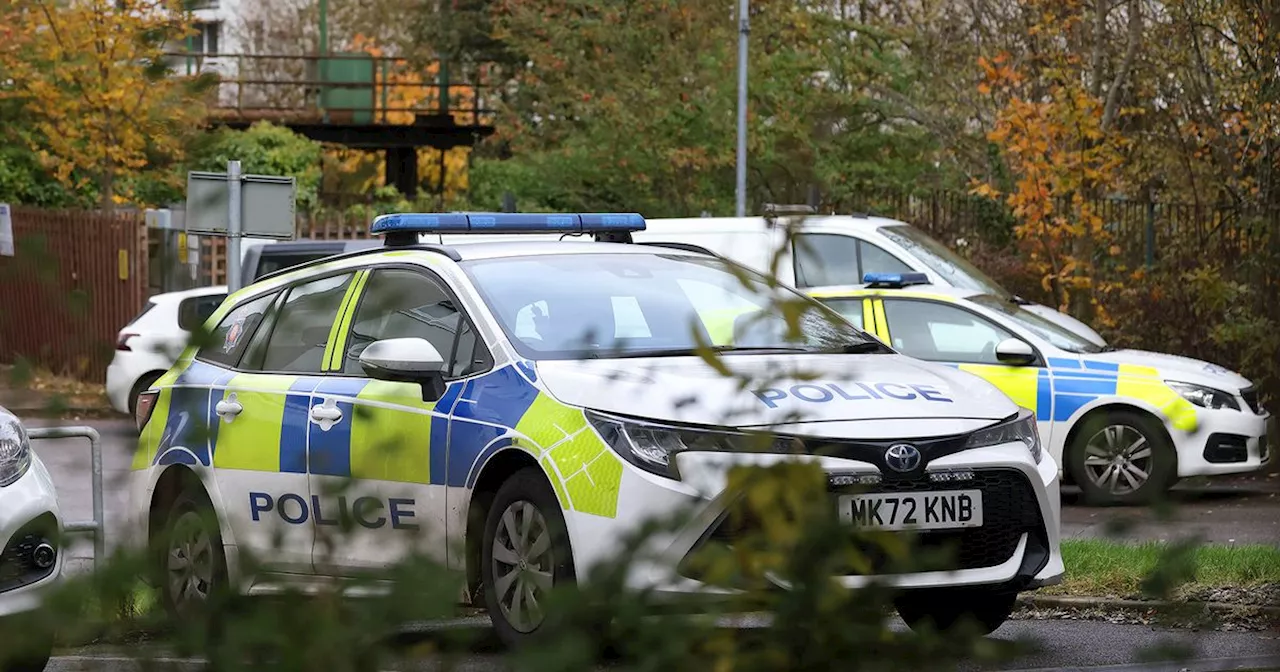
{"type": "Point", "coordinates": [1017, 548]}
{"type": "Point", "coordinates": [29, 516]}
{"type": "Point", "coordinates": [1226, 441]}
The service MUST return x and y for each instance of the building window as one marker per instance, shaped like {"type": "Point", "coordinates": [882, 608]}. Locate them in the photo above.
{"type": "Point", "coordinates": [205, 41]}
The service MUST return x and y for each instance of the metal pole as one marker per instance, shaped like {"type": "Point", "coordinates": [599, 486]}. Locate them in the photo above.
{"type": "Point", "coordinates": [233, 226]}
{"type": "Point", "coordinates": [744, 28]}
{"type": "Point", "coordinates": [98, 524]}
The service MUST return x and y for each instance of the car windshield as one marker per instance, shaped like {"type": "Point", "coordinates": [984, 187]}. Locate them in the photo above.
{"type": "Point", "coordinates": [1055, 334]}
{"type": "Point", "coordinates": [957, 270]}
{"type": "Point", "coordinates": [581, 306]}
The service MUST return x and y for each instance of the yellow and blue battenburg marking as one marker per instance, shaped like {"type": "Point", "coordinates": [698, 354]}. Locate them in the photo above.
{"type": "Point", "coordinates": [394, 436]}
{"type": "Point", "coordinates": [1067, 385]}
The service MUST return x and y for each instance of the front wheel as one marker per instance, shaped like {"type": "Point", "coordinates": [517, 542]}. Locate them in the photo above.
{"type": "Point", "coordinates": [945, 610]}
{"type": "Point", "coordinates": [525, 553]}
{"type": "Point", "coordinates": [1120, 457]}
{"type": "Point", "coordinates": [193, 565]}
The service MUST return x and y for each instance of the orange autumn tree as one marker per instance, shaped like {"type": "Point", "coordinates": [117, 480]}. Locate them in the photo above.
{"type": "Point", "coordinates": [91, 77]}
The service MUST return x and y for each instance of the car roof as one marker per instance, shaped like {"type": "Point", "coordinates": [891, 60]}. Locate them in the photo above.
{"type": "Point", "coordinates": [857, 223]}
{"type": "Point", "coordinates": [180, 294]}
{"type": "Point", "coordinates": [501, 249]}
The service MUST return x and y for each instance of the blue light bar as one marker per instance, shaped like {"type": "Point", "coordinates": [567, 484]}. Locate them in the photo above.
{"type": "Point", "coordinates": [506, 222]}
{"type": "Point", "coordinates": [894, 280]}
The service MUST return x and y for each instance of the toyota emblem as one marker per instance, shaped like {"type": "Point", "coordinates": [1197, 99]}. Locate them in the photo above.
{"type": "Point", "coordinates": [902, 457]}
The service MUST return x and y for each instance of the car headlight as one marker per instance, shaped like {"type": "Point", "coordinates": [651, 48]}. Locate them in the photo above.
{"type": "Point", "coordinates": [15, 452]}
{"type": "Point", "coordinates": [1204, 397]}
{"type": "Point", "coordinates": [1021, 428]}
{"type": "Point", "coordinates": [653, 447]}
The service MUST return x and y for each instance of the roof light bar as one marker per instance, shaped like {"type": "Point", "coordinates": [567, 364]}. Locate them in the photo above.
{"type": "Point", "coordinates": [506, 222]}
{"type": "Point", "coordinates": [894, 280]}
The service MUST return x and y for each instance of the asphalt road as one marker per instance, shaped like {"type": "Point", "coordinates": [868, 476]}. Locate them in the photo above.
{"type": "Point", "coordinates": [1034, 645]}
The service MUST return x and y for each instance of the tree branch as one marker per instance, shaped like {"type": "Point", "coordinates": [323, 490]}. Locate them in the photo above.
{"type": "Point", "coordinates": [1130, 51]}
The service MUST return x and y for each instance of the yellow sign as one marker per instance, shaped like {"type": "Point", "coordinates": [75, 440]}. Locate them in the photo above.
{"type": "Point", "coordinates": [182, 247]}
{"type": "Point", "coordinates": [124, 264]}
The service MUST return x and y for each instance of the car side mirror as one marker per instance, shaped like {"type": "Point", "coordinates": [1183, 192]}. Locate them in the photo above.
{"type": "Point", "coordinates": [1015, 352]}
{"type": "Point", "coordinates": [406, 360]}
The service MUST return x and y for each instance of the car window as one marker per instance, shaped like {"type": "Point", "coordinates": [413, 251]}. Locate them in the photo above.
{"type": "Point", "coordinates": [228, 340]}
{"type": "Point", "coordinates": [586, 305]}
{"type": "Point", "coordinates": [1059, 336]}
{"type": "Point", "coordinates": [402, 303]}
{"type": "Point", "coordinates": [851, 309]}
{"type": "Point", "coordinates": [301, 331]}
{"type": "Point", "coordinates": [145, 309]}
{"type": "Point", "coordinates": [200, 307]}
{"type": "Point", "coordinates": [873, 259]}
{"type": "Point", "coordinates": [826, 259]}
{"type": "Point", "coordinates": [940, 332]}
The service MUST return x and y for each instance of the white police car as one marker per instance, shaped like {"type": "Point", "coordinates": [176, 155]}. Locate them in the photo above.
{"type": "Point", "coordinates": [517, 409]}
{"type": "Point", "coordinates": [1125, 424]}
{"type": "Point", "coordinates": [30, 556]}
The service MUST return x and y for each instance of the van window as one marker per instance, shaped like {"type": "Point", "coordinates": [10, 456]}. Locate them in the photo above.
{"type": "Point", "coordinates": [823, 259]}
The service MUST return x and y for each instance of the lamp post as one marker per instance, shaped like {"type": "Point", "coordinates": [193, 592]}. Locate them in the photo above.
{"type": "Point", "coordinates": [744, 28]}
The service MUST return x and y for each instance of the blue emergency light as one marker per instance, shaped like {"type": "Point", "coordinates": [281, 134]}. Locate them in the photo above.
{"type": "Point", "coordinates": [506, 222]}
{"type": "Point", "coordinates": [894, 280]}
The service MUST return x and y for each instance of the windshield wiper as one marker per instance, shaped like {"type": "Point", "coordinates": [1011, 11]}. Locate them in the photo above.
{"type": "Point", "coordinates": [1019, 301]}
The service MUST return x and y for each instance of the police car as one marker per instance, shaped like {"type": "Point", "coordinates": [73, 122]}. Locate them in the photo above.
{"type": "Point", "coordinates": [1124, 424]}
{"type": "Point", "coordinates": [30, 555]}
{"type": "Point", "coordinates": [518, 409]}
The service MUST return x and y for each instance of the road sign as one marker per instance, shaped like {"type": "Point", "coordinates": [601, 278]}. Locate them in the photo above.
{"type": "Point", "coordinates": [267, 205]}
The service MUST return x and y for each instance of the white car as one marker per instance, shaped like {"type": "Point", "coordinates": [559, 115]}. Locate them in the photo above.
{"type": "Point", "coordinates": [30, 549]}
{"type": "Point", "coordinates": [827, 250]}
{"type": "Point", "coordinates": [461, 391]}
{"type": "Point", "coordinates": [148, 345]}
{"type": "Point", "coordinates": [1124, 424]}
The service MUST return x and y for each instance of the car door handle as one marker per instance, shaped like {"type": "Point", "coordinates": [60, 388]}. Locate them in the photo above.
{"type": "Point", "coordinates": [326, 415]}
{"type": "Point", "coordinates": [228, 408]}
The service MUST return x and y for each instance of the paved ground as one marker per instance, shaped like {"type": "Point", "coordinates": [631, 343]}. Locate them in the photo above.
{"type": "Point", "coordinates": [1048, 645]}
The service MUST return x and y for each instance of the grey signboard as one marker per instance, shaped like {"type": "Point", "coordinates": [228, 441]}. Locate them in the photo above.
{"type": "Point", "coordinates": [267, 205]}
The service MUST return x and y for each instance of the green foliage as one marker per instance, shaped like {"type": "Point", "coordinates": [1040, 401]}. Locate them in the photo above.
{"type": "Point", "coordinates": [24, 182]}
{"type": "Point", "coordinates": [264, 149]}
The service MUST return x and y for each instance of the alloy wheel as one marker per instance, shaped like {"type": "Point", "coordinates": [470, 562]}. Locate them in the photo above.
{"type": "Point", "coordinates": [190, 561]}
{"type": "Point", "coordinates": [523, 565]}
{"type": "Point", "coordinates": [1118, 459]}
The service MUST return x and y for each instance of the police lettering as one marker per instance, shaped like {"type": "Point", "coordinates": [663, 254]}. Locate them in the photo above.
{"type": "Point", "coordinates": [368, 512]}
{"type": "Point", "coordinates": [821, 393]}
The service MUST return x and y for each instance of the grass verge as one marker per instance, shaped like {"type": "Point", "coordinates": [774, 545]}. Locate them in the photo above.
{"type": "Point", "coordinates": [1108, 569]}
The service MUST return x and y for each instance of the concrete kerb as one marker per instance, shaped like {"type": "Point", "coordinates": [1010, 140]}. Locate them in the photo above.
{"type": "Point", "coordinates": [1270, 614]}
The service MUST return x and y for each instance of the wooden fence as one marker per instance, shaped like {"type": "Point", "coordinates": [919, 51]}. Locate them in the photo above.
{"type": "Point", "coordinates": [75, 280]}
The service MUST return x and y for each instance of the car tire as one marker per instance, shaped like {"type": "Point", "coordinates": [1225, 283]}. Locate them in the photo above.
{"type": "Point", "coordinates": [31, 655]}
{"type": "Point", "coordinates": [946, 610]}
{"type": "Point", "coordinates": [516, 564]}
{"type": "Point", "coordinates": [192, 561]}
{"type": "Point", "coordinates": [1122, 445]}
{"type": "Point", "coordinates": [145, 382]}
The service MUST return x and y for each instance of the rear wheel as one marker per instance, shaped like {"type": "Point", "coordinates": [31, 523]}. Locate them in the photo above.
{"type": "Point", "coordinates": [1121, 457]}
{"type": "Point", "coordinates": [525, 553]}
{"type": "Point", "coordinates": [948, 610]}
{"type": "Point", "coordinates": [193, 564]}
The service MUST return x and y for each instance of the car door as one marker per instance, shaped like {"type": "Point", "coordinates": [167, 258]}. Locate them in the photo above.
{"type": "Point", "coordinates": [392, 484]}
{"type": "Point", "coordinates": [943, 332]}
{"type": "Point", "coordinates": [256, 429]}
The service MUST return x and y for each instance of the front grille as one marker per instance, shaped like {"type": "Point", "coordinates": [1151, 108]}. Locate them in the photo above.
{"type": "Point", "coordinates": [1009, 507]}
{"type": "Point", "coordinates": [1250, 395]}
{"type": "Point", "coordinates": [17, 564]}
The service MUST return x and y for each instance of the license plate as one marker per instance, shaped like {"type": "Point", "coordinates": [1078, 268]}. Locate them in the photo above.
{"type": "Point", "coordinates": [913, 510]}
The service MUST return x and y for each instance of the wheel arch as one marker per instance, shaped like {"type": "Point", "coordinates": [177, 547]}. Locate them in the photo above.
{"type": "Point", "coordinates": [149, 377]}
{"type": "Point", "coordinates": [1084, 415]}
{"type": "Point", "coordinates": [172, 482]}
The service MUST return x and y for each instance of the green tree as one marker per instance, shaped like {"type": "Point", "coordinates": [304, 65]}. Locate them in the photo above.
{"type": "Point", "coordinates": [264, 149]}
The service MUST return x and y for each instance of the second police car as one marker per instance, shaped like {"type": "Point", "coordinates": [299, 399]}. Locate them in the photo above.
{"type": "Point", "coordinates": [483, 400]}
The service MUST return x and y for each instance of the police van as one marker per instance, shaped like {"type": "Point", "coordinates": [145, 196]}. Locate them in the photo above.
{"type": "Point", "coordinates": [516, 410]}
